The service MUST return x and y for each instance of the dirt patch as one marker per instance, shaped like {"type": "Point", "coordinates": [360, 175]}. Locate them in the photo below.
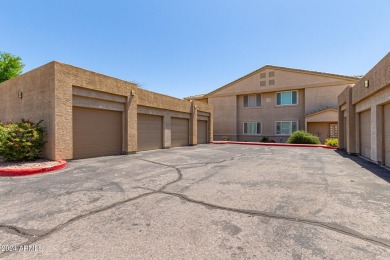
{"type": "Point", "coordinates": [40, 163]}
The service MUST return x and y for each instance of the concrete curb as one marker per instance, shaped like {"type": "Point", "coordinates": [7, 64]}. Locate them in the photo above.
{"type": "Point", "coordinates": [24, 172]}
{"type": "Point", "coordinates": [278, 144]}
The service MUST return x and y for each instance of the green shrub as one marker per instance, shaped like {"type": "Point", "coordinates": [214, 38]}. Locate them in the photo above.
{"type": "Point", "coordinates": [226, 138]}
{"type": "Point", "coordinates": [264, 139]}
{"type": "Point", "coordinates": [3, 136]}
{"type": "Point", "coordinates": [334, 142]}
{"type": "Point", "coordinates": [303, 137]}
{"type": "Point", "coordinates": [21, 141]}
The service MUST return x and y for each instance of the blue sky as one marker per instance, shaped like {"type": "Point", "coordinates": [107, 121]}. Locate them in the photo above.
{"type": "Point", "coordinates": [185, 47]}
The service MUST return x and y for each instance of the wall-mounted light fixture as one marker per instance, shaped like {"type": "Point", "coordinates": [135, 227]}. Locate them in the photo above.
{"type": "Point", "coordinates": [366, 83]}
{"type": "Point", "coordinates": [133, 92]}
{"type": "Point", "coordinates": [20, 94]}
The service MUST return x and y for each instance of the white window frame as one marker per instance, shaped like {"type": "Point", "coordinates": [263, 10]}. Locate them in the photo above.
{"type": "Point", "coordinates": [291, 127]}
{"type": "Point", "coordinates": [290, 91]}
{"type": "Point", "coordinates": [256, 101]}
{"type": "Point", "coordinates": [243, 128]}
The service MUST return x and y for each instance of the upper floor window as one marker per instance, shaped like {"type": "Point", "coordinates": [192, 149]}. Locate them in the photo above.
{"type": "Point", "coordinates": [252, 100]}
{"type": "Point", "coordinates": [287, 98]}
{"type": "Point", "coordinates": [252, 128]}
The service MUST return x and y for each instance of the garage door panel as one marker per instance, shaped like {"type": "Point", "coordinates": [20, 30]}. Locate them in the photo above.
{"type": "Point", "coordinates": [202, 131]}
{"type": "Point", "coordinates": [96, 132]}
{"type": "Point", "coordinates": [149, 132]}
{"type": "Point", "coordinates": [365, 134]}
{"type": "Point", "coordinates": [386, 126]}
{"type": "Point", "coordinates": [179, 132]}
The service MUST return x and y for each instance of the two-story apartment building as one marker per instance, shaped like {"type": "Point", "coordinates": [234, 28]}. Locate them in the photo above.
{"type": "Point", "coordinates": [275, 101]}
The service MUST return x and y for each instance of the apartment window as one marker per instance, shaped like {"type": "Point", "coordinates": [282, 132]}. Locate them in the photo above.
{"type": "Point", "coordinates": [286, 127]}
{"type": "Point", "coordinates": [333, 131]}
{"type": "Point", "coordinates": [287, 98]}
{"type": "Point", "coordinates": [252, 100]}
{"type": "Point", "coordinates": [252, 128]}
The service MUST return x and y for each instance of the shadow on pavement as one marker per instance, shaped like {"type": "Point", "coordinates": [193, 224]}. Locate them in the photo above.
{"type": "Point", "coordinates": [379, 171]}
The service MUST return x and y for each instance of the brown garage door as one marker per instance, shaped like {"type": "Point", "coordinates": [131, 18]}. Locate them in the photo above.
{"type": "Point", "coordinates": [365, 134]}
{"type": "Point", "coordinates": [96, 132]}
{"type": "Point", "coordinates": [202, 131]}
{"type": "Point", "coordinates": [387, 134]}
{"type": "Point", "coordinates": [179, 132]}
{"type": "Point", "coordinates": [149, 132]}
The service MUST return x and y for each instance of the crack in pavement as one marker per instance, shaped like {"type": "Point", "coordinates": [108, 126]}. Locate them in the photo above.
{"type": "Point", "coordinates": [32, 238]}
{"type": "Point", "coordinates": [330, 226]}
{"type": "Point", "coordinates": [24, 233]}
{"type": "Point", "coordinates": [208, 163]}
{"type": "Point", "coordinates": [59, 227]}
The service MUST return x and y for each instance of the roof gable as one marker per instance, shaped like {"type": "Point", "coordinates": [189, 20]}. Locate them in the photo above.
{"type": "Point", "coordinates": [274, 78]}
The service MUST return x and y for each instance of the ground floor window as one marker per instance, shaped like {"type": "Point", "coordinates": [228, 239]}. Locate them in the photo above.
{"type": "Point", "coordinates": [333, 131]}
{"type": "Point", "coordinates": [252, 128]}
{"type": "Point", "coordinates": [286, 127]}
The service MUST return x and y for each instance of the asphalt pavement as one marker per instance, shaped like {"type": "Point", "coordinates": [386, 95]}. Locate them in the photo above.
{"type": "Point", "coordinates": [201, 202]}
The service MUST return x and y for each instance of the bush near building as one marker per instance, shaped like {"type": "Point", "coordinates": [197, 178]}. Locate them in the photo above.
{"type": "Point", "coordinates": [334, 142]}
{"type": "Point", "coordinates": [22, 141]}
{"type": "Point", "coordinates": [303, 137]}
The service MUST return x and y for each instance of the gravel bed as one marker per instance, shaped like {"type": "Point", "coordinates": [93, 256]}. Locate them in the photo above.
{"type": "Point", "coordinates": [40, 163]}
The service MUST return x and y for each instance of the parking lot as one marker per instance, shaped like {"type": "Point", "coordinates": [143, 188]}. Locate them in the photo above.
{"type": "Point", "coordinates": [202, 202]}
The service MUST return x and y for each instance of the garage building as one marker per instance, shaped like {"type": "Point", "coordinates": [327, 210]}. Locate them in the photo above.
{"type": "Point", "coordinates": [364, 115]}
{"type": "Point", "coordinates": [88, 114]}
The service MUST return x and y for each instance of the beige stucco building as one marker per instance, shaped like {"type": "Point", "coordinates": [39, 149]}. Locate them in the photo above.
{"type": "Point", "coordinates": [274, 101]}
{"type": "Point", "coordinates": [364, 115]}
{"type": "Point", "coordinates": [88, 114]}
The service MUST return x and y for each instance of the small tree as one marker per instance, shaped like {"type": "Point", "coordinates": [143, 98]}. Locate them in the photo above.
{"type": "Point", "coordinates": [10, 66]}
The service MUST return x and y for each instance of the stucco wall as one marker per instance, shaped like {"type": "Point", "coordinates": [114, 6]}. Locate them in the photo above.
{"type": "Point", "coordinates": [225, 116]}
{"type": "Point", "coordinates": [151, 99]}
{"type": "Point", "coordinates": [378, 78]}
{"type": "Point", "coordinates": [329, 115]}
{"type": "Point", "coordinates": [320, 98]}
{"type": "Point", "coordinates": [37, 103]}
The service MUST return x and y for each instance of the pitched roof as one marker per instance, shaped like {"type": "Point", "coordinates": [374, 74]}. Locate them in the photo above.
{"type": "Point", "coordinates": [195, 97]}
{"type": "Point", "coordinates": [353, 78]}
{"type": "Point", "coordinates": [321, 110]}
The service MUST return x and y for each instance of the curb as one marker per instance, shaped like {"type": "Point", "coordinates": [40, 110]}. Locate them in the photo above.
{"type": "Point", "coordinates": [279, 144]}
{"type": "Point", "coordinates": [24, 172]}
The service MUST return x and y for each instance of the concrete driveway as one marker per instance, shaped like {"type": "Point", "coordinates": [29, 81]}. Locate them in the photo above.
{"type": "Point", "coordinates": [203, 202]}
